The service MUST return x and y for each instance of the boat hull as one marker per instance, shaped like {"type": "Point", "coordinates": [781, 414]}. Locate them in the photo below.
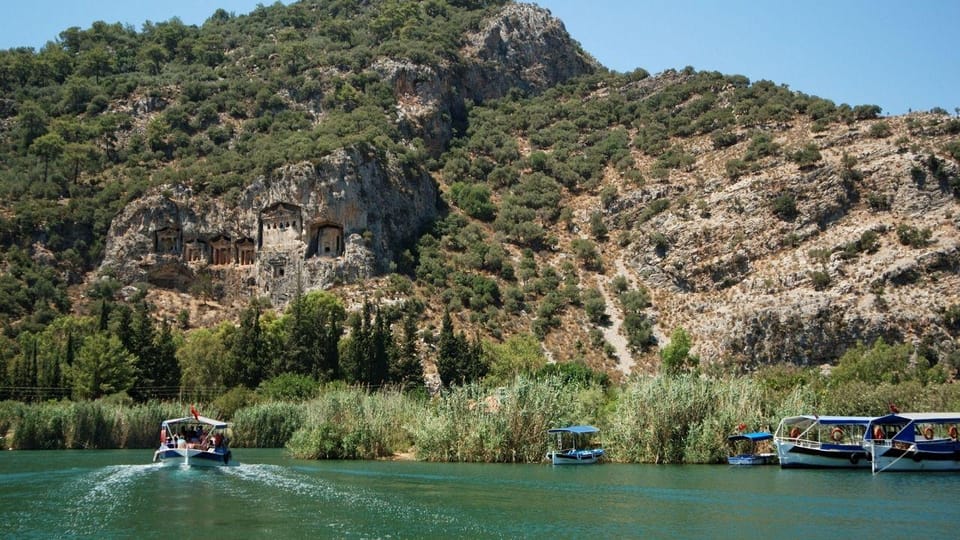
{"type": "Point", "coordinates": [576, 457]}
{"type": "Point", "coordinates": [745, 460]}
{"type": "Point", "coordinates": [915, 458]}
{"type": "Point", "coordinates": [804, 455]}
{"type": "Point", "coordinates": [192, 457]}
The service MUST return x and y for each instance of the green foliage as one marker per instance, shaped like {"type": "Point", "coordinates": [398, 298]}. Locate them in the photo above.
{"type": "Point", "coordinates": [806, 157]}
{"type": "Point", "coordinates": [586, 252]}
{"type": "Point", "coordinates": [474, 199]}
{"type": "Point", "coordinates": [683, 419]}
{"type": "Point", "coordinates": [675, 358]}
{"type": "Point", "coordinates": [289, 387]}
{"type": "Point", "coordinates": [913, 237]}
{"type": "Point", "coordinates": [636, 324]}
{"type": "Point", "coordinates": [266, 425]}
{"type": "Point", "coordinates": [761, 145]}
{"type": "Point", "coordinates": [458, 360]}
{"type": "Point", "coordinates": [880, 130]}
{"type": "Point", "coordinates": [820, 279]}
{"type": "Point", "coordinates": [473, 424]}
{"type": "Point", "coordinates": [84, 425]}
{"type": "Point", "coordinates": [352, 424]}
{"type": "Point", "coordinates": [785, 206]}
{"type": "Point", "coordinates": [102, 367]}
{"type": "Point", "coordinates": [876, 364]}
{"type": "Point", "coordinates": [519, 355]}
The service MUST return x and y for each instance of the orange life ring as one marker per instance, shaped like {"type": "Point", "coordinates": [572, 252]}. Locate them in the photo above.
{"type": "Point", "coordinates": [795, 433]}
{"type": "Point", "coordinates": [878, 433]}
{"type": "Point", "coordinates": [928, 432]}
{"type": "Point", "coordinates": [836, 434]}
{"type": "Point", "coordinates": [953, 432]}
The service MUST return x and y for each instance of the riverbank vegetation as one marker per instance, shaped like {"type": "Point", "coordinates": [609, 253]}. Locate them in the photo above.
{"type": "Point", "coordinates": [681, 418]}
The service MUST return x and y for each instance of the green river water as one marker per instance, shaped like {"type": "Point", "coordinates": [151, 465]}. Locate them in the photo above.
{"type": "Point", "coordinates": [120, 494]}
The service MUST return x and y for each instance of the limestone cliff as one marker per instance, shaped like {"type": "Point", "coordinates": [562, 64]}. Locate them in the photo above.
{"type": "Point", "coordinates": [311, 226]}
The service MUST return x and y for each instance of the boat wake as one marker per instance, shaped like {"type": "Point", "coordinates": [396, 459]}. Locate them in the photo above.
{"type": "Point", "coordinates": [103, 495]}
{"type": "Point", "coordinates": [349, 509]}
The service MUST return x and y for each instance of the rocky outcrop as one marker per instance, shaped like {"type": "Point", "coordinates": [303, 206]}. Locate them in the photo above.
{"type": "Point", "coordinates": [521, 47]}
{"type": "Point", "coordinates": [756, 287]}
{"type": "Point", "coordinates": [310, 226]}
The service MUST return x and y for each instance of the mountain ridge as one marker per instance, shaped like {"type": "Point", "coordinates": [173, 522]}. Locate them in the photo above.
{"type": "Point", "coordinates": [769, 225]}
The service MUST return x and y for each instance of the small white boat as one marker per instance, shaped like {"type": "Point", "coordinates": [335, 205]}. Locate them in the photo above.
{"type": "Point", "coordinates": [812, 441]}
{"type": "Point", "coordinates": [195, 440]}
{"type": "Point", "coordinates": [574, 446]}
{"type": "Point", "coordinates": [751, 454]}
{"type": "Point", "coordinates": [914, 442]}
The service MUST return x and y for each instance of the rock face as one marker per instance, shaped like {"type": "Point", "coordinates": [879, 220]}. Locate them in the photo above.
{"type": "Point", "coordinates": [753, 287]}
{"type": "Point", "coordinates": [311, 227]}
{"type": "Point", "coordinates": [523, 47]}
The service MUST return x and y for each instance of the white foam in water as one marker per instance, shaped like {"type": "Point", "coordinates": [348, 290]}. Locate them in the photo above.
{"type": "Point", "coordinates": [353, 498]}
{"type": "Point", "coordinates": [104, 490]}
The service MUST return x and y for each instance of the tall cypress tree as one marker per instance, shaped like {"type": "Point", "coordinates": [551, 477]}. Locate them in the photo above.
{"type": "Point", "coordinates": [247, 349]}
{"type": "Point", "coordinates": [143, 348]}
{"type": "Point", "coordinates": [405, 367]}
{"type": "Point", "coordinates": [381, 342]}
{"type": "Point", "coordinates": [357, 349]}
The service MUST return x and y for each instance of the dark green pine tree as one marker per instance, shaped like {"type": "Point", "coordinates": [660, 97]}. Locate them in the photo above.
{"type": "Point", "coordinates": [105, 309]}
{"type": "Point", "coordinates": [142, 346]}
{"type": "Point", "coordinates": [405, 367]}
{"type": "Point", "coordinates": [314, 328]}
{"type": "Point", "coordinates": [247, 349]}
{"type": "Point", "coordinates": [23, 377]}
{"type": "Point", "coordinates": [296, 357]}
{"type": "Point", "coordinates": [164, 371]}
{"type": "Point", "coordinates": [458, 361]}
{"type": "Point", "coordinates": [381, 342]}
{"type": "Point", "coordinates": [357, 349]}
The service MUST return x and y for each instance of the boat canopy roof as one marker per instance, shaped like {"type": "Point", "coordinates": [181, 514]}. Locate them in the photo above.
{"type": "Point", "coordinates": [829, 420]}
{"type": "Point", "coordinates": [902, 418]}
{"type": "Point", "coordinates": [218, 424]}
{"type": "Point", "coordinates": [755, 436]}
{"type": "Point", "coordinates": [579, 430]}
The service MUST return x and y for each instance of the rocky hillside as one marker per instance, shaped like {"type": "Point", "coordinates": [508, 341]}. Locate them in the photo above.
{"type": "Point", "coordinates": [470, 157]}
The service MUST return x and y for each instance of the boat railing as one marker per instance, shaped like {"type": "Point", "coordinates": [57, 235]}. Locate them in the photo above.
{"type": "Point", "coordinates": [805, 443]}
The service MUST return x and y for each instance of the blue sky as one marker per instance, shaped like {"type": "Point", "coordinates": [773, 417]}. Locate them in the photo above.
{"type": "Point", "coordinates": [898, 54]}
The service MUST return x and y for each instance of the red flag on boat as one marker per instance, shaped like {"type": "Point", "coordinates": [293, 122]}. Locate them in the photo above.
{"type": "Point", "coordinates": [741, 426]}
{"type": "Point", "coordinates": [194, 412]}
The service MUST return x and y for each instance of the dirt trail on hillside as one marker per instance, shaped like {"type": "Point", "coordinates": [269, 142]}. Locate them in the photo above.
{"type": "Point", "coordinates": [611, 332]}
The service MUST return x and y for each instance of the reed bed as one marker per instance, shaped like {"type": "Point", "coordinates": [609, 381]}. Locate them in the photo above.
{"type": "Point", "coordinates": [660, 419]}
{"type": "Point", "coordinates": [509, 424]}
{"type": "Point", "coordinates": [83, 424]}
{"type": "Point", "coordinates": [355, 424]}
{"type": "Point", "coordinates": [682, 419]}
{"type": "Point", "coordinates": [266, 425]}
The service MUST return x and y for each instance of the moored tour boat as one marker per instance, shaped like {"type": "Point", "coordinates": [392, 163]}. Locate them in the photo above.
{"type": "Point", "coordinates": [193, 440]}
{"type": "Point", "coordinates": [914, 442]}
{"type": "Point", "coordinates": [812, 441]}
{"type": "Point", "coordinates": [574, 446]}
{"type": "Point", "coordinates": [752, 455]}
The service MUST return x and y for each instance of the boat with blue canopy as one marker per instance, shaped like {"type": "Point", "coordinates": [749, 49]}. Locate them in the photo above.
{"type": "Point", "coordinates": [747, 449]}
{"type": "Point", "coordinates": [914, 442]}
{"type": "Point", "coordinates": [575, 446]}
{"type": "Point", "coordinates": [813, 441]}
